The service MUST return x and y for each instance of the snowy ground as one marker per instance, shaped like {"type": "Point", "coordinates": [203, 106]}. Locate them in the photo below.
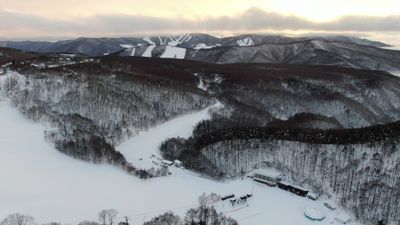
{"type": "Point", "coordinates": [38, 180]}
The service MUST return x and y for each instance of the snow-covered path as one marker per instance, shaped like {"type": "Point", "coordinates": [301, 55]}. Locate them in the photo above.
{"type": "Point", "coordinates": [138, 150]}
{"type": "Point", "coordinates": [38, 180]}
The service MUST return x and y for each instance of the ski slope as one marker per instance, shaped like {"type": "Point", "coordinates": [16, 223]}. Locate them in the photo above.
{"type": "Point", "coordinates": [174, 52]}
{"type": "Point", "coordinates": [177, 40]}
{"type": "Point", "coordinates": [148, 51]}
{"type": "Point", "coordinates": [38, 180]}
{"type": "Point", "coordinates": [245, 42]}
{"type": "Point", "coordinates": [138, 150]}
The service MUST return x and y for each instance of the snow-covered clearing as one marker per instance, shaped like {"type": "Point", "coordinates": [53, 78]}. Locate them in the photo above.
{"type": "Point", "coordinates": [126, 46]}
{"type": "Point", "coordinates": [204, 83]}
{"type": "Point", "coordinates": [174, 52]}
{"type": "Point", "coordinates": [245, 42]}
{"type": "Point", "coordinates": [202, 86]}
{"type": "Point", "coordinates": [205, 46]}
{"type": "Point", "coordinates": [38, 180]}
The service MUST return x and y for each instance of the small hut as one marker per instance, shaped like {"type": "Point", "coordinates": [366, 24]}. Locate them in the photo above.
{"type": "Point", "coordinates": [267, 176]}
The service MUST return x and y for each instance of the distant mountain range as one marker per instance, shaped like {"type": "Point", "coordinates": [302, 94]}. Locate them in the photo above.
{"type": "Point", "coordinates": [342, 51]}
{"type": "Point", "coordinates": [330, 129]}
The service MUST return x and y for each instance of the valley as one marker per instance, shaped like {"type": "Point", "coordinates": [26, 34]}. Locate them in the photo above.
{"type": "Point", "coordinates": [67, 190]}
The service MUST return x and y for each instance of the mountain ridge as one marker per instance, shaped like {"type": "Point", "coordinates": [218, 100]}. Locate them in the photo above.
{"type": "Point", "coordinates": [247, 48]}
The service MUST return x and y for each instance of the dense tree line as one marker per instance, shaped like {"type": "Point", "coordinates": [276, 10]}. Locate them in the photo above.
{"type": "Point", "coordinates": [94, 113]}
{"type": "Point", "coordinates": [363, 178]}
{"type": "Point", "coordinates": [360, 167]}
{"type": "Point", "coordinates": [207, 133]}
{"type": "Point", "coordinates": [204, 214]}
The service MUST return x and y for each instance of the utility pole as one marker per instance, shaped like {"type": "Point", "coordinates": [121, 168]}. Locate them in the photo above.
{"type": "Point", "coordinates": [252, 187]}
{"type": "Point", "coordinates": [126, 220]}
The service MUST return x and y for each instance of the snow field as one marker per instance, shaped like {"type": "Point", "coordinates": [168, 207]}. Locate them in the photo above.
{"type": "Point", "coordinates": [174, 52]}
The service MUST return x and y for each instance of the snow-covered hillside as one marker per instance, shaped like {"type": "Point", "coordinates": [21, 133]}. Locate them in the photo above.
{"type": "Point", "coordinates": [396, 73]}
{"type": "Point", "coordinates": [341, 51]}
{"type": "Point", "coordinates": [41, 181]}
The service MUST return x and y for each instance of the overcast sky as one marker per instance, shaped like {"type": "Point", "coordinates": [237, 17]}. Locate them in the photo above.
{"type": "Point", "coordinates": [54, 19]}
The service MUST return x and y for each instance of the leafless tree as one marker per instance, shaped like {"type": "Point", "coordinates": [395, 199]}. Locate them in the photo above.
{"type": "Point", "coordinates": [208, 200]}
{"type": "Point", "coordinates": [52, 223]}
{"type": "Point", "coordinates": [18, 219]}
{"type": "Point", "coordinates": [107, 216]}
{"type": "Point", "coordinates": [102, 217]}
{"type": "Point", "coordinates": [86, 222]}
{"type": "Point", "coordinates": [164, 219]}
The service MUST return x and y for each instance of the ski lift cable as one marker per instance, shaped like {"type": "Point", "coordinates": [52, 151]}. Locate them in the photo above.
{"type": "Point", "coordinates": [249, 216]}
{"type": "Point", "coordinates": [172, 209]}
{"type": "Point", "coordinates": [162, 210]}
{"type": "Point", "coordinates": [237, 209]}
{"type": "Point", "coordinates": [169, 209]}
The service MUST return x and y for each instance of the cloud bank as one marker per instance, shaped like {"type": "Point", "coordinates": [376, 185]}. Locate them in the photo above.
{"type": "Point", "coordinates": [15, 24]}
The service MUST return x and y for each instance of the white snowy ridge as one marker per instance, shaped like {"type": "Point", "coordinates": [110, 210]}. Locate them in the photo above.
{"type": "Point", "coordinates": [179, 39]}
{"type": "Point", "coordinates": [148, 40]}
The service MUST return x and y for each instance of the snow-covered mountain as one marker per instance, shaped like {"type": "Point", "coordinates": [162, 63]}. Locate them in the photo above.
{"type": "Point", "coordinates": [91, 106]}
{"type": "Point", "coordinates": [327, 50]}
{"type": "Point", "coordinates": [309, 52]}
